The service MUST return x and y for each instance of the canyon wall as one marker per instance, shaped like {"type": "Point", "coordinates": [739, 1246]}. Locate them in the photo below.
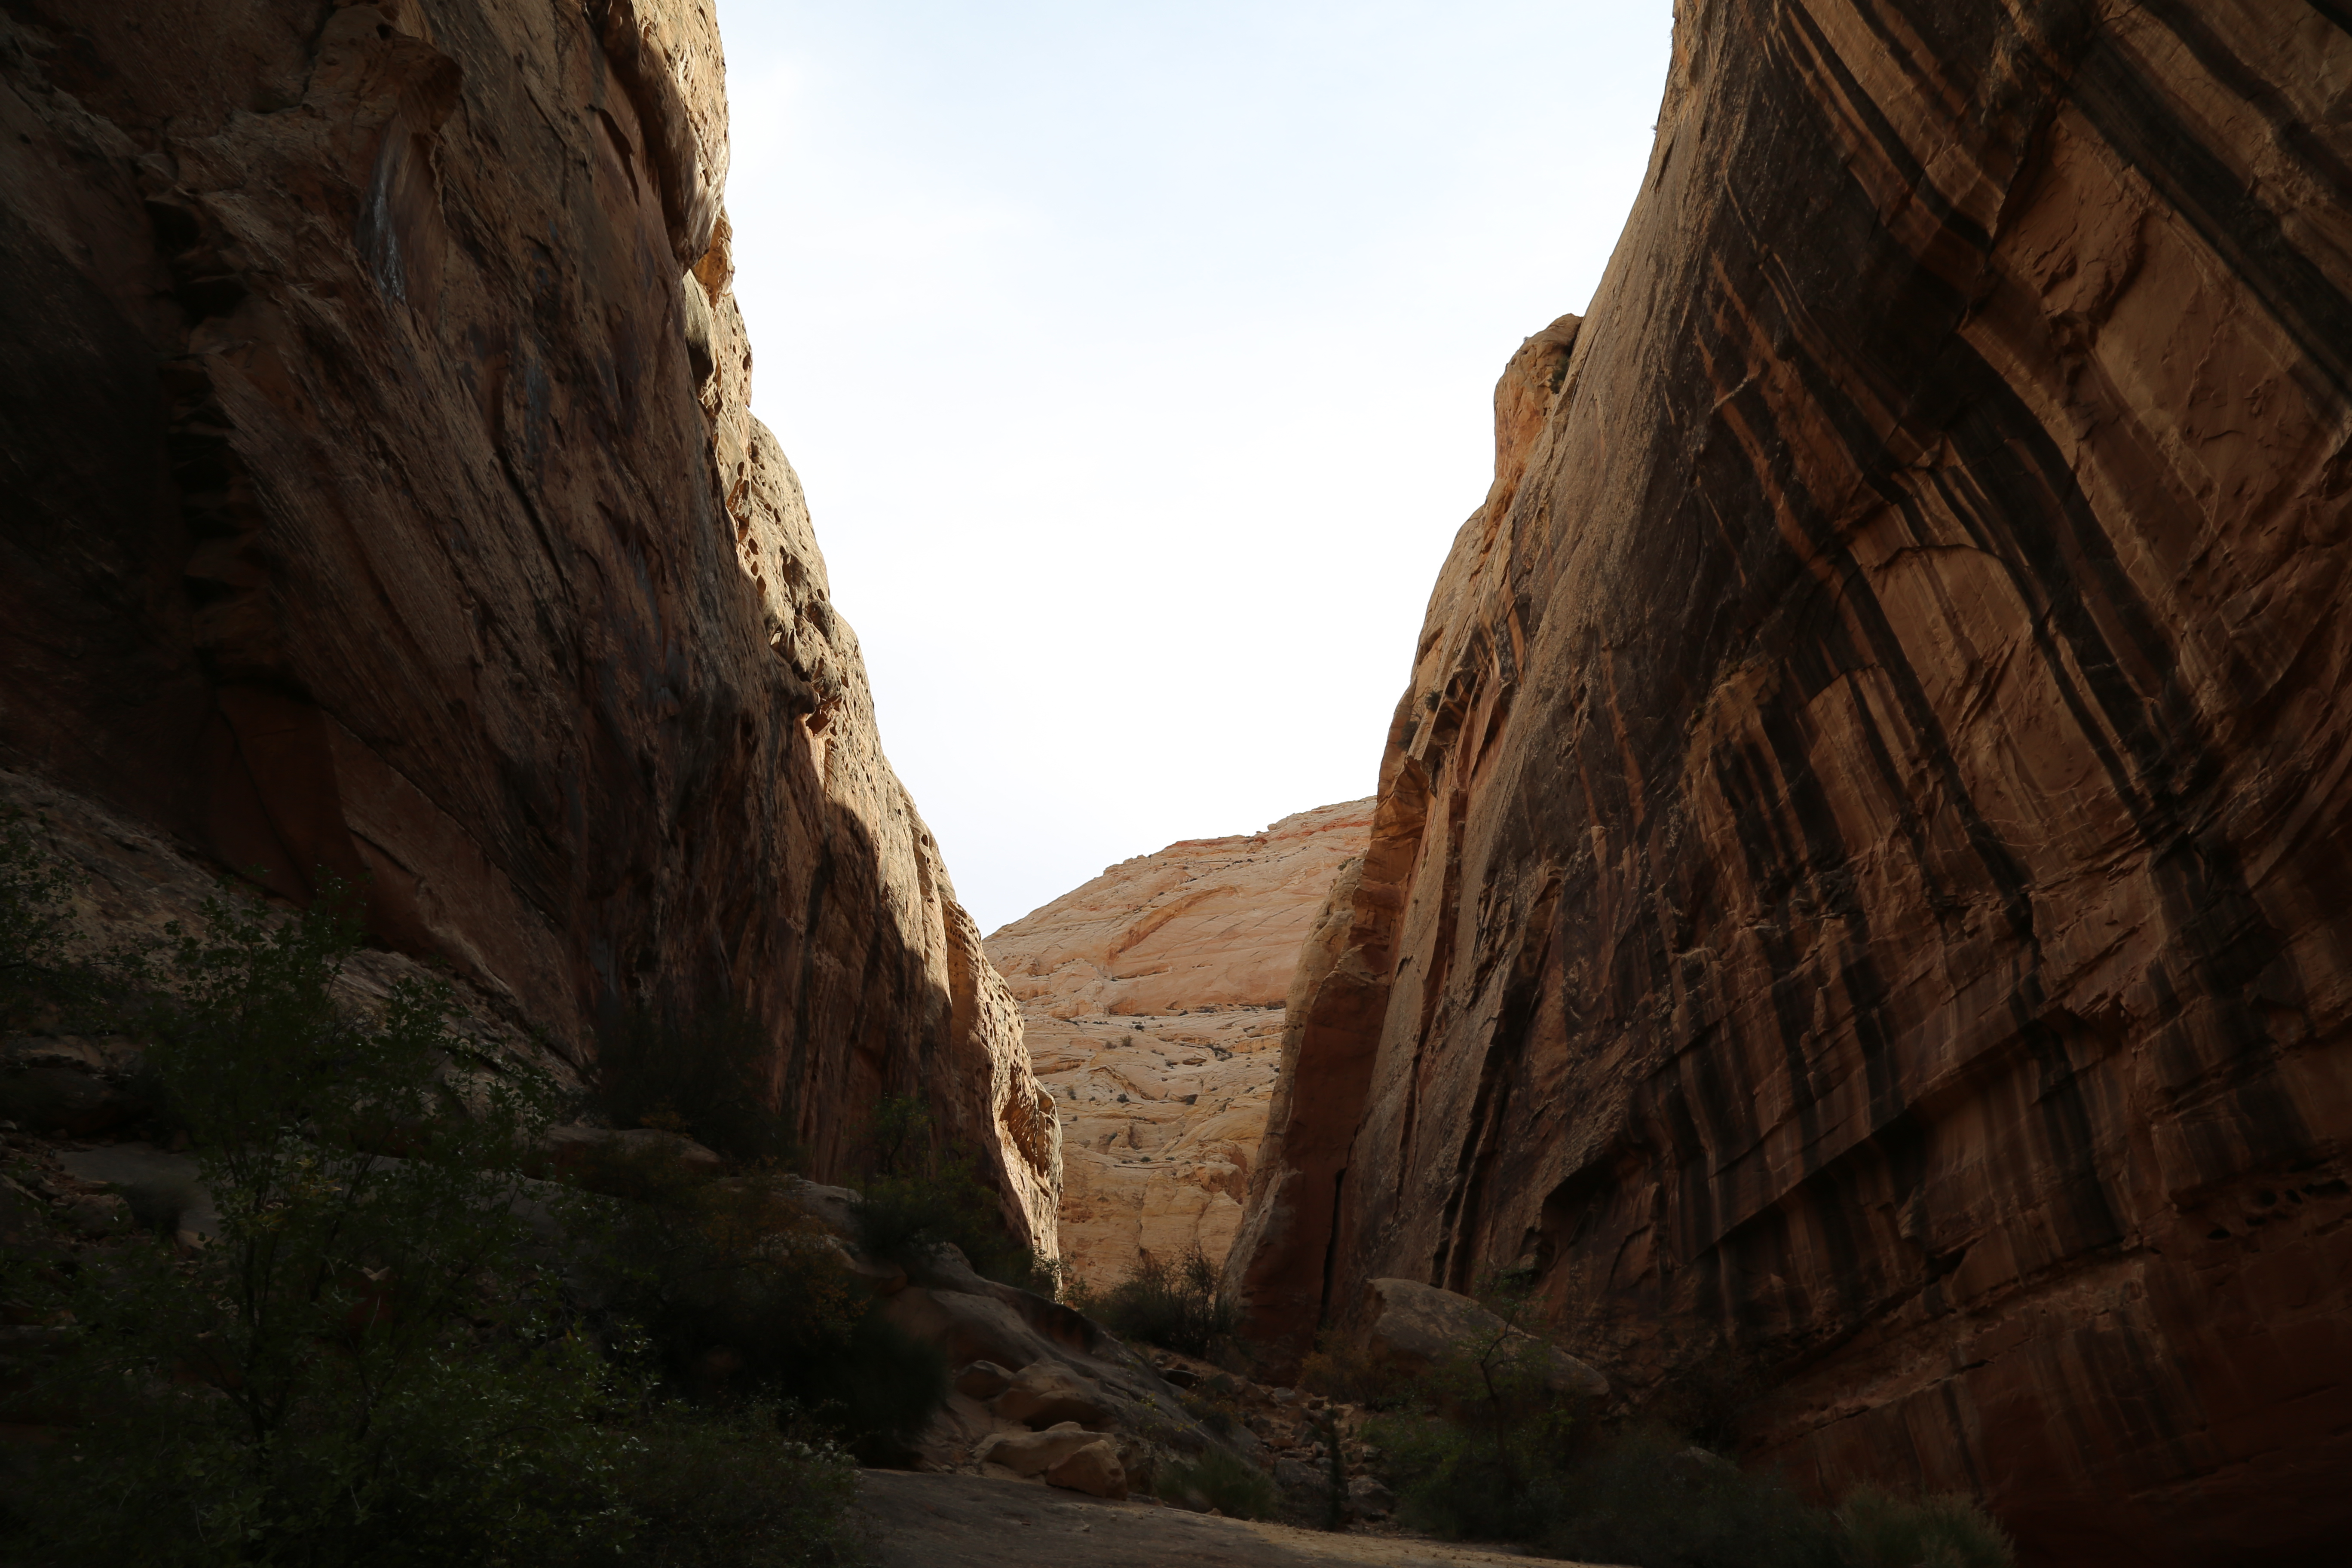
{"type": "Point", "coordinates": [1857, 896]}
{"type": "Point", "coordinates": [1152, 1001]}
{"type": "Point", "coordinates": [382, 497]}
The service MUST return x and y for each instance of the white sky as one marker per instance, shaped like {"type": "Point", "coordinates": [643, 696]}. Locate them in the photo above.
{"type": "Point", "coordinates": [1138, 360]}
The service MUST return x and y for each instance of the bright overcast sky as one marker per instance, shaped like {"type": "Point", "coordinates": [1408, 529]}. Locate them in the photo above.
{"type": "Point", "coordinates": [1138, 360]}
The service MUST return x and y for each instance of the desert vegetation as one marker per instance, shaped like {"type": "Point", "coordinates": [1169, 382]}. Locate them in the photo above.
{"type": "Point", "coordinates": [1485, 1445]}
{"type": "Point", "coordinates": [1179, 1304]}
{"type": "Point", "coordinates": [390, 1344]}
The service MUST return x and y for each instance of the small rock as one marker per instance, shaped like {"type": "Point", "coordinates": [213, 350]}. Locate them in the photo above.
{"type": "Point", "coordinates": [1094, 1468]}
{"type": "Point", "coordinates": [103, 1214]}
{"type": "Point", "coordinates": [1302, 1475]}
{"type": "Point", "coordinates": [1370, 1498]}
{"type": "Point", "coordinates": [982, 1380]}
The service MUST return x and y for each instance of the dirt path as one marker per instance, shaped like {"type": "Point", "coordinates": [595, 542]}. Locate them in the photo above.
{"type": "Point", "coordinates": [968, 1521]}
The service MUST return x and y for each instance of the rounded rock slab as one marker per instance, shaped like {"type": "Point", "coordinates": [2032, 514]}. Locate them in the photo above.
{"type": "Point", "coordinates": [982, 1380]}
{"type": "Point", "coordinates": [1042, 1394]}
{"type": "Point", "coordinates": [1035, 1453]}
{"type": "Point", "coordinates": [1093, 1469]}
{"type": "Point", "coordinates": [1412, 1326]}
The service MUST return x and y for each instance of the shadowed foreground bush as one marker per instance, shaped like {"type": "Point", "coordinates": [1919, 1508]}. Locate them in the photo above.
{"type": "Point", "coordinates": [918, 1194]}
{"type": "Point", "coordinates": [375, 1362]}
{"type": "Point", "coordinates": [1481, 1448]}
{"type": "Point", "coordinates": [727, 1290]}
{"type": "Point", "coordinates": [1221, 1479]}
{"type": "Point", "coordinates": [1179, 1306]}
{"type": "Point", "coordinates": [1947, 1530]}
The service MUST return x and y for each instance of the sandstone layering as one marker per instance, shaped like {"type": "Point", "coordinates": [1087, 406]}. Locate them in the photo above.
{"type": "Point", "coordinates": [383, 497]}
{"type": "Point", "coordinates": [1858, 885]}
{"type": "Point", "coordinates": [1151, 1002]}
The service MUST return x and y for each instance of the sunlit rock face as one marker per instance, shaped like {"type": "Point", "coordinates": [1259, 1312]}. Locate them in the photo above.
{"type": "Point", "coordinates": [1857, 889]}
{"type": "Point", "coordinates": [1151, 999]}
{"type": "Point", "coordinates": [383, 498]}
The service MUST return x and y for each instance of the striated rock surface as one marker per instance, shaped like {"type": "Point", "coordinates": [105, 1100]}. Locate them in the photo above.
{"type": "Point", "coordinates": [1151, 1004]}
{"type": "Point", "coordinates": [382, 497]}
{"type": "Point", "coordinates": [1857, 887]}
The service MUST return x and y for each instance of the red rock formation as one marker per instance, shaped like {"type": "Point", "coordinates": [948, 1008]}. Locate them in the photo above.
{"type": "Point", "coordinates": [1858, 876]}
{"type": "Point", "coordinates": [383, 497]}
{"type": "Point", "coordinates": [1151, 1004]}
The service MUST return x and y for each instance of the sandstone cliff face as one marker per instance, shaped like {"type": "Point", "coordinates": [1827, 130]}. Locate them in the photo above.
{"type": "Point", "coordinates": [382, 497]}
{"type": "Point", "coordinates": [1151, 1002]}
{"type": "Point", "coordinates": [1858, 874]}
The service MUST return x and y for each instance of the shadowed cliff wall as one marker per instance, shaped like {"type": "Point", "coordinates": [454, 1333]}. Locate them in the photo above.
{"type": "Point", "coordinates": [1859, 876]}
{"type": "Point", "coordinates": [381, 495]}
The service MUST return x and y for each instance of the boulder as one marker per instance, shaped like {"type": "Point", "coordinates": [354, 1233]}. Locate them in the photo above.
{"type": "Point", "coordinates": [1034, 1453]}
{"type": "Point", "coordinates": [160, 1188]}
{"type": "Point", "coordinates": [1410, 1327]}
{"type": "Point", "coordinates": [576, 1145]}
{"type": "Point", "coordinates": [100, 1213]}
{"type": "Point", "coordinates": [1093, 1468]}
{"type": "Point", "coordinates": [1044, 1394]}
{"type": "Point", "coordinates": [71, 1084]}
{"type": "Point", "coordinates": [966, 1327]}
{"type": "Point", "coordinates": [982, 1380]}
{"type": "Point", "coordinates": [1367, 1499]}
{"type": "Point", "coordinates": [1310, 1478]}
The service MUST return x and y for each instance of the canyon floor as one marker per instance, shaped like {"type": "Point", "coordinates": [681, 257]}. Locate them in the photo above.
{"type": "Point", "coordinates": [971, 1521]}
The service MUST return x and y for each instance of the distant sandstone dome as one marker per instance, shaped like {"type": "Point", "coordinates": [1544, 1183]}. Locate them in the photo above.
{"type": "Point", "coordinates": [1153, 1002]}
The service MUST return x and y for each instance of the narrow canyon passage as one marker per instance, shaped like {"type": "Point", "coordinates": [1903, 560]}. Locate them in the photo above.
{"type": "Point", "coordinates": [1152, 1001]}
{"type": "Point", "coordinates": [1842, 988]}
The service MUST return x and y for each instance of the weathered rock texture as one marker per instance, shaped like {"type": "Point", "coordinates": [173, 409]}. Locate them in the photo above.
{"type": "Point", "coordinates": [1151, 1002]}
{"type": "Point", "coordinates": [1859, 874]}
{"type": "Point", "coordinates": [383, 497]}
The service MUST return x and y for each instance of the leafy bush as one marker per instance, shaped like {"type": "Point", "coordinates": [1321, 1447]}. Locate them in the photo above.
{"type": "Point", "coordinates": [734, 1489]}
{"type": "Point", "coordinates": [1221, 1479]}
{"type": "Point", "coordinates": [1338, 1368]}
{"type": "Point", "coordinates": [919, 1194]}
{"type": "Point", "coordinates": [1216, 1404]}
{"type": "Point", "coordinates": [371, 1364]}
{"type": "Point", "coordinates": [704, 1073]}
{"type": "Point", "coordinates": [1947, 1530]}
{"type": "Point", "coordinates": [1180, 1305]}
{"type": "Point", "coordinates": [1648, 1498]}
{"type": "Point", "coordinates": [360, 1367]}
{"type": "Point", "coordinates": [1480, 1446]}
{"type": "Point", "coordinates": [35, 904]}
{"type": "Point", "coordinates": [738, 1293]}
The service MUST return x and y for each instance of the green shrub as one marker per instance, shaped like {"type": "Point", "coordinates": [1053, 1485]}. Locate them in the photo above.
{"type": "Point", "coordinates": [1180, 1305]}
{"type": "Point", "coordinates": [1647, 1498]}
{"type": "Point", "coordinates": [704, 1073]}
{"type": "Point", "coordinates": [917, 1194]}
{"type": "Point", "coordinates": [1338, 1369]}
{"type": "Point", "coordinates": [1221, 1479]}
{"type": "Point", "coordinates": [371, 1364]}
{"type": "Point", "coordinates": [731, 1490]}
{"type": "Point", "coordinates": [1216, 1404]}
{"type": "Point", "coordinates": [35, 905]}
{"type": "Point", "coordinates": [1947, 1530]}
{"type": "Point", "coordinates": [361, 1367]}
{"type": "Point", "coordinates": [737, 1294]}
